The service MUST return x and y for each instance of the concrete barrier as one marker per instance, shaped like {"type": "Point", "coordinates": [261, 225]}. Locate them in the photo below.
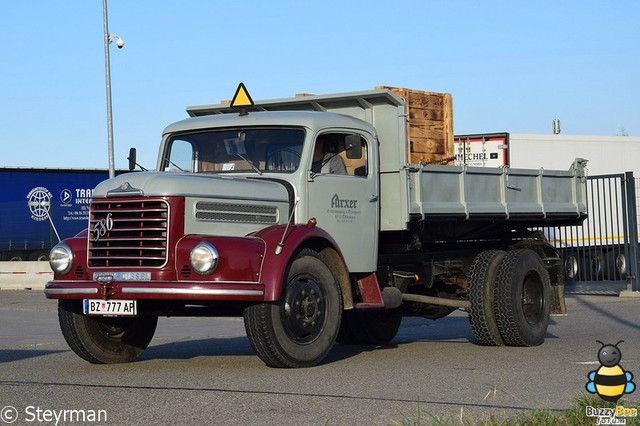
{"type": "Point", "coordinates": [24, 275]}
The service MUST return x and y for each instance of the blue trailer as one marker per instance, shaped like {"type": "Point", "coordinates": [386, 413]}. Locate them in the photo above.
{"type": "Point", "coordinates": [38, 205]}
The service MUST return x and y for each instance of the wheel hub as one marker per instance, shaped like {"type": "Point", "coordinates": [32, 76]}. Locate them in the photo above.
{"type": "Point", "coordinates": [303, 310]}
{"type": "Point", "coordinates": [532, 299]}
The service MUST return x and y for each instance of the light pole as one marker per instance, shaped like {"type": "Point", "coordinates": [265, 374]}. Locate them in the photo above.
{"type": "Point", "coordinates": [108, 38]}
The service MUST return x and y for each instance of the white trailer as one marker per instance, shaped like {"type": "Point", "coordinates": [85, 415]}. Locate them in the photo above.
{"type": "Point", "coordinates": [606, 154]}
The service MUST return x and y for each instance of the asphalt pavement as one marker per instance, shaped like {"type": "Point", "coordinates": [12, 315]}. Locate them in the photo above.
{"type": "Point", "coordinates": [204, 371]}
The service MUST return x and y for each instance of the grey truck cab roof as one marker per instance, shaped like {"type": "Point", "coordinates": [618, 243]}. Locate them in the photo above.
{"type": "Point", "coordinates": [308, 119]}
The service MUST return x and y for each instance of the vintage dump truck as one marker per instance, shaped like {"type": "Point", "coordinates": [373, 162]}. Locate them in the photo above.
{"type": "Point", "coordinates": [317, 220]}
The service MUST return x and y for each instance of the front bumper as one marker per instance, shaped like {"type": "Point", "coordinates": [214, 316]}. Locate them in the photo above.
{"type": "Point", "coordinates": [156, 290]}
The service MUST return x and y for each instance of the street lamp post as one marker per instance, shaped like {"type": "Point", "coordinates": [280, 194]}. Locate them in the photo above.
{"type": "Point", "coordinates": [108, 38]}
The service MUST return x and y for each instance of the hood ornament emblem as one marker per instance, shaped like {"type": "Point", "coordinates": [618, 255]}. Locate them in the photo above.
{"type": "Point", "coordinates": [125, 189]}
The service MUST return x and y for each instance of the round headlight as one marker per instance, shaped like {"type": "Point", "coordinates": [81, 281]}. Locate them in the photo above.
{"type": "Point", "coordinates": [61, 258]}
{"type": "Point", "coordinates": [204, 258]}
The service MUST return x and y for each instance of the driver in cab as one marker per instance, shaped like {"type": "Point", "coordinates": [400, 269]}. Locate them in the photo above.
{"type": "Point", "coordinates": [326, 162]}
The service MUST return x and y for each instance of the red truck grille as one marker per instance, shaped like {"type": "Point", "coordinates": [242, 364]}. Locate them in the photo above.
{"type": "Point", "coordinates": [128, 233]}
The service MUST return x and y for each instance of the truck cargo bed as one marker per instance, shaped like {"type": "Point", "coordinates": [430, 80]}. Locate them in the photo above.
{"type": "Point", "coordinates": [468, 193]}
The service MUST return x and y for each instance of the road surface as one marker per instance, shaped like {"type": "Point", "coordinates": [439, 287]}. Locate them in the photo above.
{"type": "Point", "coordinates": [204, 371]}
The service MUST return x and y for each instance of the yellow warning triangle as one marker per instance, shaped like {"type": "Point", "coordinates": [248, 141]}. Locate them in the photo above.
{"type": "Point", "coordinates": [242, 97]}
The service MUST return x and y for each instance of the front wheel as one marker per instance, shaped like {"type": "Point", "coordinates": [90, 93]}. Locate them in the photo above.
{"type": "Point", "coordinates": [300, 328]}
{"type": "Point", "coordinates": [104, 340]}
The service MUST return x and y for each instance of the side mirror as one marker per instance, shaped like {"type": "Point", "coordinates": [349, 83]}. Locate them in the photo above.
{"type": "Point", "coordinates": [132, 159]}
{"type": "Point", "coordinates": [353, 146]}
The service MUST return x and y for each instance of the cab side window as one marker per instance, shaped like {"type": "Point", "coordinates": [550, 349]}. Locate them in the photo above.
{"type": "Point", "coordinates": [333, 154]}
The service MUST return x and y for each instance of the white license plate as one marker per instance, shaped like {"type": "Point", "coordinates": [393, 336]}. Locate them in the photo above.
{"type": "Point", "coordinates": [110, 307]}
{"type": "Point", "coordinates": [123, 276]}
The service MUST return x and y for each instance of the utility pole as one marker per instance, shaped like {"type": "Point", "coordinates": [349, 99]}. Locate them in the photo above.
{"type": "Point", "coordinates": [108, 38]}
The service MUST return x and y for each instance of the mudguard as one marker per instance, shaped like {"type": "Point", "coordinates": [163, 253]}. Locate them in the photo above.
{"type": "Point", "coordinates": [280, 252]}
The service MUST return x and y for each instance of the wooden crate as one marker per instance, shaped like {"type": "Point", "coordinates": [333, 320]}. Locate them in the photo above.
{"type": "Point", "coordinates": [429, 125]}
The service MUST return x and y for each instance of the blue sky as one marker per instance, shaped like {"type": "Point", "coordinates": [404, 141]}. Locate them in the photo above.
{"type": "Point", "coordinates": [510, 65]}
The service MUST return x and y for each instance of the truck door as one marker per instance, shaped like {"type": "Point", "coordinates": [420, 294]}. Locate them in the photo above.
{"type": "Point", "coordinates": [344, 196]}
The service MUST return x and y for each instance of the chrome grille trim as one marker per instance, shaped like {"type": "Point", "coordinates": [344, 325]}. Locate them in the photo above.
{"type": "Point", "coordinates": [138, 237]}
{"type": "Point", "coordinates": [207, 211]}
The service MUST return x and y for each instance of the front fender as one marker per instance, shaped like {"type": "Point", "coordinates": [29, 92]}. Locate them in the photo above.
{"type": "Point", "coordinates": [240, 258]}
{"type": "Point", "coordinates": [277, 257]}
{"type": "Point", "coordinates": [78, 245]}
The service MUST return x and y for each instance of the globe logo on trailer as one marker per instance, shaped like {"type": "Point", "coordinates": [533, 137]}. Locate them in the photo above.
{"type": "Point", "coordinates": [39, 203]}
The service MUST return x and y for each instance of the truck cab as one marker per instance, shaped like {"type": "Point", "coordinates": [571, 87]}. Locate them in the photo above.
{"type": "Point", "coordinates": [278, 148]}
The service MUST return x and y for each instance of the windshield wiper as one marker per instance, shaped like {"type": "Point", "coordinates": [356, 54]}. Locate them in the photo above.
{"type": "Point", "coordinates": [174, 165]}
{"type": "Point", "coordinates": [253, 166]}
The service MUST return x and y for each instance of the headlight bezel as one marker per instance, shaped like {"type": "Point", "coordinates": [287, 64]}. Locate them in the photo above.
{"type": "Point", "coordinates": [204, 258]}
{"type": "Point", "coordinates": [61, 259]}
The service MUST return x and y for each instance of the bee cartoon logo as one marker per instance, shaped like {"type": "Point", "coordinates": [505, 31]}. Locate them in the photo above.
{"type": "Point", "coordinates": [610, 381]}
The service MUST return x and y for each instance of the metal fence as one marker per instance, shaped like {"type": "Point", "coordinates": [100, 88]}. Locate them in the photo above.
{"type": "Point", "coordinates": [601, 256]}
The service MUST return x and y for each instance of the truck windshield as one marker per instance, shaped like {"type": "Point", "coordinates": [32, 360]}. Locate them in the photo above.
{"type": "Point", "coordinates": [238, 150]}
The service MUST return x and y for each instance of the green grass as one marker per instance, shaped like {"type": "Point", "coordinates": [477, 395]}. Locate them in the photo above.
{"type": "Point", "coordinates": [574, 416]}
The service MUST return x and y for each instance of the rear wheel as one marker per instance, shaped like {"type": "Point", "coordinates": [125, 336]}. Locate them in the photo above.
{"type": "Point", "coordinates": [597, 266]}
{"type": "Point", "coordinates": [40, 256]}
{"type": "Point", "coordinates": [299, 329]}
{"type": "Point", "coordinates": [617, 265]}
{"type": "Point", "coordinates": [104, 340]}
{"type": "Point", "coordinates": [17, 257]}
{"type": "Point", "coordinates": [482, 277]}
{"type": "Point", "coordinates": [571, 268]}
{"type": "Point", "coordinates": [522, 299]}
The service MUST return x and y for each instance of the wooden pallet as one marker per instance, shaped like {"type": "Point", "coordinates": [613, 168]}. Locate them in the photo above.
{"type": "Point", "coordinates": [429, 125]}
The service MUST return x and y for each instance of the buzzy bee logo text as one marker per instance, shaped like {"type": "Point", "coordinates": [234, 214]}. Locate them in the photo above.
{"type": "Point", "coordinates": [610, 382]}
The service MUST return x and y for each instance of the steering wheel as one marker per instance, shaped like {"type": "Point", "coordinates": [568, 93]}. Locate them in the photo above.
{"type": "Point", "coordinates": [272, 165]}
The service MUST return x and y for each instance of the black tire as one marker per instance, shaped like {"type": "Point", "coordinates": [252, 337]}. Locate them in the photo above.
{"type": "Point", "coordinates": [18, 257]}
{"type": "Point", "coordinates": [370, 327]}
{"type": "Point", "coordinates": [571, 268]}
{"type": "Point", "coordinates": [301, 327]}
{"type": "Point", "coordinates": [104, 340]}
{"type": "Point", "coordinates": [616, 265]}
{"type": "Point", "coordinates": [522, 299]}
{"type": "Point", "coordinates": [597, 262]}
{"type": "Point", "coordinates": [481, 285]}
{"type": "Point", "coordinates": [39, 256]}
{"type": "Point", "coordinates": [345, 334]}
